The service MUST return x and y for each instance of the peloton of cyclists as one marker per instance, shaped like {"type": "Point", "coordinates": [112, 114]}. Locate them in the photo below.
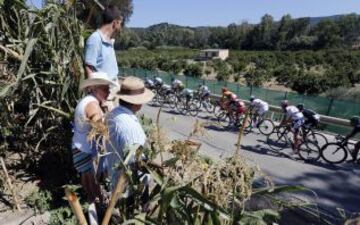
{"type": "Point", "coordinates": [295, 118]}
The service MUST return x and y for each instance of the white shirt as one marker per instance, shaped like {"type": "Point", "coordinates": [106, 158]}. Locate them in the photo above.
{"type": "Point", "coordinates": [125, 130]}
{"type": "Point", "coordinates": [82, 127]}
{"type": "Point", "coordinates": [293, 113]}
{"type": "Point", "coordinates": [260, 104]}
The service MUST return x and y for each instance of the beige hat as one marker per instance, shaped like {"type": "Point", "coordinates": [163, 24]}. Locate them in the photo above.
{"type": "Point", "coordinates": [133, 91]}
{"type": "Point", "coordinates": [97, 78]}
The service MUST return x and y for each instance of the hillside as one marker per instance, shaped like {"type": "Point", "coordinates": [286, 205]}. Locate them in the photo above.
{"type": "Point", "coordinates": [339, 31]}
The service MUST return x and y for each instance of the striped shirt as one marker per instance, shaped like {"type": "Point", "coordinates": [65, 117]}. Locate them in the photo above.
{"type": "Point", "coordinates": [125, 130]}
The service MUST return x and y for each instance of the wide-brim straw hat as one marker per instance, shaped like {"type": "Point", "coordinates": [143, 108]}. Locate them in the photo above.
{"type": "Point", "coordinates": [134, 92]}
{"type": "Point", "coordinates": [97, 78]}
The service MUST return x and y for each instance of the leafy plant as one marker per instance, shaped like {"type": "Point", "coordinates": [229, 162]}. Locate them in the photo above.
{"type": "Point", "coordinates": [39, 200]}
{"type": "Point", "coordinates": [62, 215]}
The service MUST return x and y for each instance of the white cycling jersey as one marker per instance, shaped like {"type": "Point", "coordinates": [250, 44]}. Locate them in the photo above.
{"type": "Point", "coordinates": [203, 89]}
{"type": "Point", "coordinates": [187, 92]}
{"type": "Point", "coordinates": [293, 113]}
{"type": "Point", "coordinates": [259, 104]}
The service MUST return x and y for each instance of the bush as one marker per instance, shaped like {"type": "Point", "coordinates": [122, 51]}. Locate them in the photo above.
{"type": "Point", "coordinates": [39, 200]}
{"type": "Point", "coordinates": [193, 70]}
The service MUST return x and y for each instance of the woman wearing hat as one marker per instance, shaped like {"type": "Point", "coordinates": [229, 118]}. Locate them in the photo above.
{"type": "Point", "coordinates": [89, 110]}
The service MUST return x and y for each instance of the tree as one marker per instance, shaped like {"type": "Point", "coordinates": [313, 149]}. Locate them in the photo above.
{"type": "Point", "coordinates": [90, 12]}
{"type": "Point", "coordinates": [193, 70]}
{"type": "Point", "coordinates": [328, 33]}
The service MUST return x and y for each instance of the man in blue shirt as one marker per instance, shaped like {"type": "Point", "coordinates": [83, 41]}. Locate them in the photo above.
{"type": "Point", "coordinates": [99, 50]}
{"type": "Point", "coordinates": [124, 127]}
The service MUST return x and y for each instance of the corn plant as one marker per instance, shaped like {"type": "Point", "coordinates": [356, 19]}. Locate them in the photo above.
{"type": "Point", "coordinates": [41, 65]}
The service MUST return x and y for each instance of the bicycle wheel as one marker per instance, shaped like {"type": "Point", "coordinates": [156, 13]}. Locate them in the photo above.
{"type": "Point", "coordinates": [193, 109]}
{"type": "Point", "coordinates": [197, 103]}
{"type": "Point", "coordinates": [209, 106]}
{"type": "Point", "coordinates": [277, 141]}
{"type": "Point", "coordinates": [334, 153]}
{"type": "Point", "coordinates": [172, 100]}
{"type": "Point", "coordinates": [266, 126]}
{"type": "Point", "coordinates": [219, 112]}
{"type": "Point", "coordinates": [225, 120]}
{"type": "Point", "coordinates": [181, 107]}
{"type": "Point", "coordinates": [317, 138]}
{"type": "Point", "coordinates": [309, 151]}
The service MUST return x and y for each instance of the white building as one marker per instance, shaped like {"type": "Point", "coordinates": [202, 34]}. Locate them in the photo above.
{"type": "Point", "coordinates": [222, 54]}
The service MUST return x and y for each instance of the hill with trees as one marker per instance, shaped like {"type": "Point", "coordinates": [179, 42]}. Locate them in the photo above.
{"type": "Point", "coordinates": [341, 31]}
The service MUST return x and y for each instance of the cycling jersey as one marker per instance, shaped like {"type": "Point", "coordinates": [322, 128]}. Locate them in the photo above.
{"type": "Point", "coordinates": [293, 113]}
{"type": "Point", "coordinates": [310, 115]}
{"type": "Point", "coordinates": [204, 89]}
{"type": "Point", "coordinates": [259, 104]}
{"type": "Point", "coordinates": [187, 92]}
{"type": "Point", "coordinates": [240, 107]}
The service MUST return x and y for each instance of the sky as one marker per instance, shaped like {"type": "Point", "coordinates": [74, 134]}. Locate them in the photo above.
{"type": "Point", "coordinates": [224, 12]}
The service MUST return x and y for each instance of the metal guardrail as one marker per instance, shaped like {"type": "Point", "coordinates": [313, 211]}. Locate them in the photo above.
{"type": "Point", "coordinates": [323, 119]}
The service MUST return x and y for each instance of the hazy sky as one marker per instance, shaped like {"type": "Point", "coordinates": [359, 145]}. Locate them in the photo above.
{"type": "Point", "coordinates": [224, 12]}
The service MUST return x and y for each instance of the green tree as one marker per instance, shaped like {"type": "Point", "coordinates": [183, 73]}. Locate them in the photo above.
{"type": "Point", "coordinates": [193, 70]}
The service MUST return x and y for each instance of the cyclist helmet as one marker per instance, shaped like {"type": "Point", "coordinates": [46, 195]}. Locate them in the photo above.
{"type": "Point", "coordinates": [300, 107]}
{"type": "Point", "coordinates": [355, 120]}
{"type": "Point", "coordinates": [158, 80]}
{"type": "Point", "coordinates": [284, 104]}
{"type": "Point", "coordinates": [252, 98]}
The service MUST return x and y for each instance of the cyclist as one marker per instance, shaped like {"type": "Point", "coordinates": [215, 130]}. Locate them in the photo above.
{"type": "Point", "coordinates": [240, 108]}
{"type": "Point", "coordinates": [203, 91]}
{"type": "Point", "coordinates": [149, 83]}
{"type": "Point", "coordinates": [187, 93]}
{"type": "Point", "coordinates": [228, 99]}
{"type": "Point", "coordinates": [312, 119]}
{"type": "Point", "coordinates": [177, 85]}
{"type": "Point", "coordinates": [355, 122]}
{"type": "Point", "coordinates": [158, 82]}
{"type": "Point", "coordinates": [293, 115]}
{"type": "Point", "coordinates": [260, 107]}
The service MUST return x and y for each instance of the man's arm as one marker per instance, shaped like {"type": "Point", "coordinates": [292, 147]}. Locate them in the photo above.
{"type": "Point", "coordinates": [92, 52]}
{"type": "Point", "coordinates": [93, 112]}
{"type": "Point", "coordinates": [89, 69]}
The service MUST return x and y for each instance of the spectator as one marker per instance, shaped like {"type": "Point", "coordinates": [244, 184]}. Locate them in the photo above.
{"type": "Point", "coordinates": [99, 50]}
{"type": "Point", "coordinates": [124, 127]}
{"type": "Point", "coordinates": [89, 110]}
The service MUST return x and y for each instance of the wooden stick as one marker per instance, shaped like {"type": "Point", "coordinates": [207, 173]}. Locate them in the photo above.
{"type": "Point", "coordinates": [120, 187]}
{"type": "Point", "coordinates": [75, 206]}
{"type": "Point", "coordinates": [11, 53]}
{"type": "Point", "coordinates": [8, 180]}
{"type": "Point", "coordinates": [241, 132]}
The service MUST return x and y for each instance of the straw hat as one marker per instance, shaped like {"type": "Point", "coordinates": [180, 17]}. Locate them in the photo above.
{"type": "Point", "coordinates": [97, 78]}
{"type": "Point", "coordinates": [133, 91]}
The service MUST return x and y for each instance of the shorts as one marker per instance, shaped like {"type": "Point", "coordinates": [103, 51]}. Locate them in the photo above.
{"type": "Point", "coordinates": [83, 162]}
{"type": "Point", "coordinates": [261, 111]}
{"type": "Point", "coordinates": [296, 124]}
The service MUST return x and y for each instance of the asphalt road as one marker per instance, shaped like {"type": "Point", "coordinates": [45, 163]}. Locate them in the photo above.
{"type": "Point", "coordinates": [335, 186]}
